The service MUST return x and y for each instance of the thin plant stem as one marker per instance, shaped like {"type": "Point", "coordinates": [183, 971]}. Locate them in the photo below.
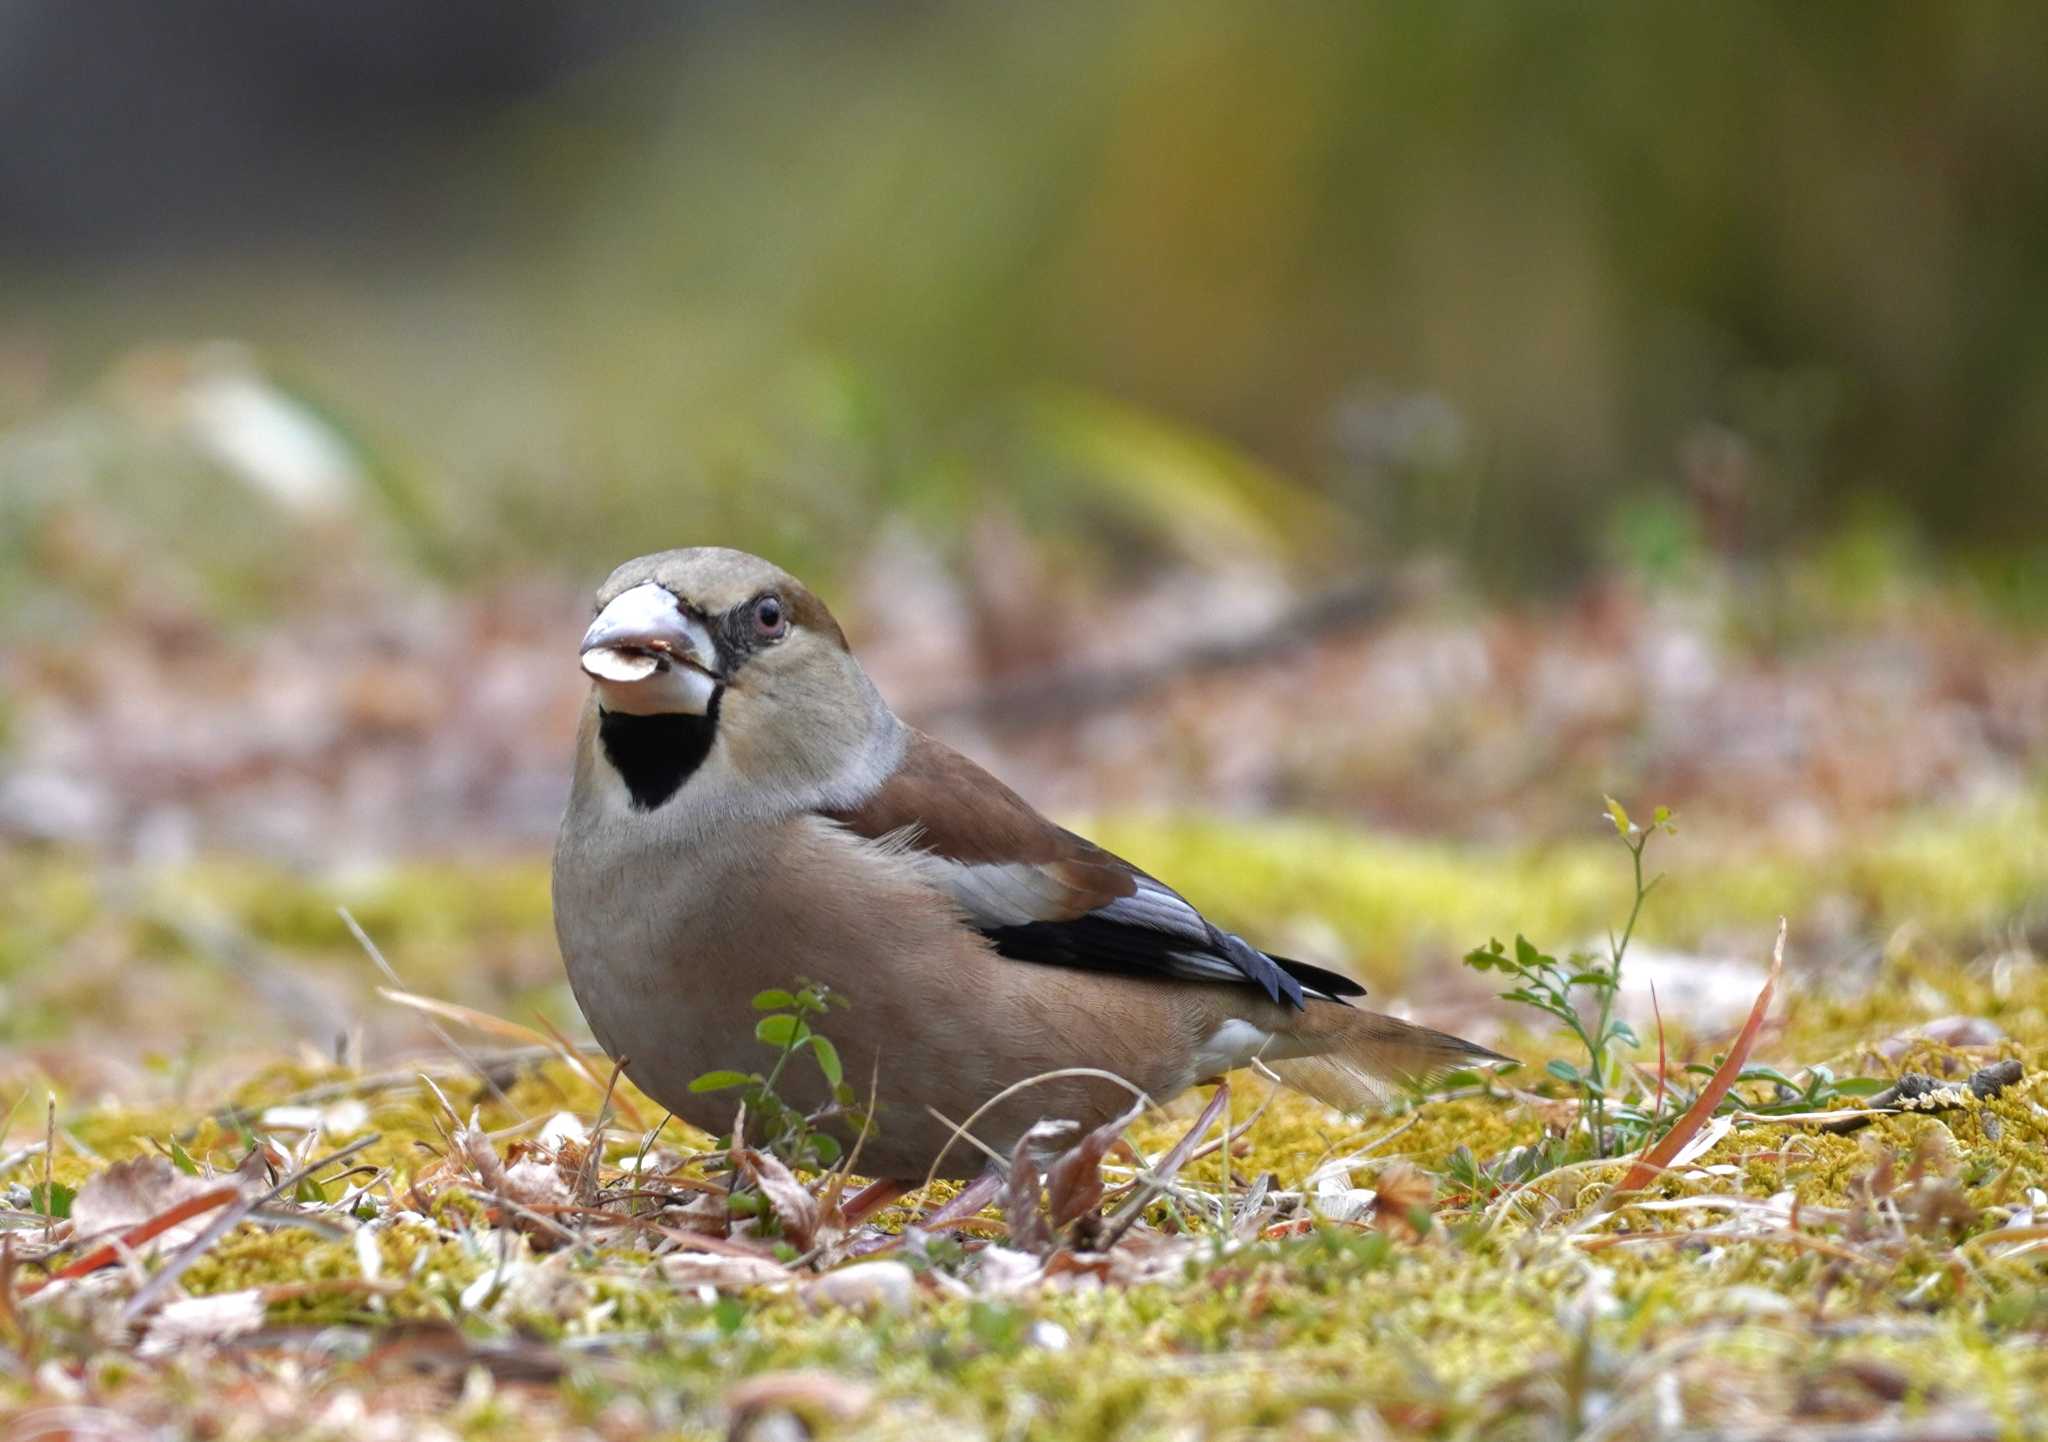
{"type": "Point", "coordinates": [1597, 1085]}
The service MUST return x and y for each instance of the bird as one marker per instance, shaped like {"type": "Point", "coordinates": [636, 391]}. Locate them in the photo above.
{"type": "Point", "coordinates": [747, 813]}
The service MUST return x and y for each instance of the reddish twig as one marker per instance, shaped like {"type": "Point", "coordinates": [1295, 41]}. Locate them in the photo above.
{"type": "Point", "coordinates": [143, 1232]}
{"type": "Point", "coordinates": [237, 1212]}
{"type": "Point", "coordinates": [1650, 1162]}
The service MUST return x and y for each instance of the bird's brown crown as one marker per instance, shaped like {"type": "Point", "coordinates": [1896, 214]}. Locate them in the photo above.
{"type": "Point", "coordinates": [713, 580]}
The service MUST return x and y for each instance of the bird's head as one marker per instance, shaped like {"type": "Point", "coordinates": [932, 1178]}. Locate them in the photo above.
{"type": "Point", "coordinates": [713, 655]}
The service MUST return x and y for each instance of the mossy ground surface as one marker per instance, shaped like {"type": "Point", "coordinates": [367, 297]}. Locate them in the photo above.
{"type": "Point", "coordinates": [1787, 1278]}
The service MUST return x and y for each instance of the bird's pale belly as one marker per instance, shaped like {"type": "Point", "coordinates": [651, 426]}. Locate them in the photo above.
{"type": "Point", "coordinates": [676, 1014]}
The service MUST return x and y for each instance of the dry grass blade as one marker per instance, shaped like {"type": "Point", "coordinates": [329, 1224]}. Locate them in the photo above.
{"type": "Point", "coordinates": [1161, 1176]}
{"type": "Point", "coordinates": [566, 1049]}
{"type": "Point", "coordinates": [1233, 1135]}
{"type": "Point", "coordinates": [549, 1038]}
{"type": "Point", "coordinates": [1657, 1157]}
{"type": "Point", "coordinates": [466, 1015]}
{"type": "Point", "coordinates": [7, 1122]}
{"type": "Point", "coordinates": [1177, 1156]}
{"type": "Point", "coordinates": [391, 975]}
{"type": "Point", "coordinates": [961, 1129]}
{"type": "Point", "coordinates": [586, 1183]}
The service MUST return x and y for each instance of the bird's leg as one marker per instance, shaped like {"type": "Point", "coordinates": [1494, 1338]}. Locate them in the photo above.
{"type": "Point", "coordinates": [871, 1199]}
{"type": "Point", "coordinates": [968, 1200]}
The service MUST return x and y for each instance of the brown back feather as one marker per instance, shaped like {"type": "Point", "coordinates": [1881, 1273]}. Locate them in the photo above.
{"type": "Point", "coordinates": [959, 811]}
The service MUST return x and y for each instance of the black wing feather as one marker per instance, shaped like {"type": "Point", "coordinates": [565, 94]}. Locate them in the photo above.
{"type": "Point", "coordinates": [1101, 943]}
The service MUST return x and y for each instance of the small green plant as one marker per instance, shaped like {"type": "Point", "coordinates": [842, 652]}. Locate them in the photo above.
{"type": "Point", "coordinates": [1618, 1107]}
{"type": "Point", "coordinates": [1603, 1080]}
{"type": "Point", "coordinates": [787, 1131]}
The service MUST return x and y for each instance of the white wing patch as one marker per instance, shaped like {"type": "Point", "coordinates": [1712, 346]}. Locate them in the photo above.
{"type": "Point", "coordinates": [1010, 893]}
{"type": "Point", "coordinates": [1234, 1044]}
{"type": "Point", "coordinates": [1154, 906]}
{"type": "Point", "coordinates": [997, 896]}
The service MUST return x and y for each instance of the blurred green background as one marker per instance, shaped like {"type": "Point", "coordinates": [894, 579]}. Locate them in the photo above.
{"type": "Point", "coordinates": [1532, 287]}
{"type": "Point", "coordinates": [1318, 449]}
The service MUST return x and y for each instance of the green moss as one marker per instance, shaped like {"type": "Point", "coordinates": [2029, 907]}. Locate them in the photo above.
{"type": "Point", "coordinates": [1471, 1331]}
{"type": "Point", "coordinates": [1391, 900]}
{"type": "Point", "coordinates": [427, 1272]}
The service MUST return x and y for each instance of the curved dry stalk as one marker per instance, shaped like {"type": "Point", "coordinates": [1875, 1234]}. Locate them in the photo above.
{"type": "Point", "coordinates": [960, 1128]}
{"type": "Point", "coordinates": [1160, 1178]}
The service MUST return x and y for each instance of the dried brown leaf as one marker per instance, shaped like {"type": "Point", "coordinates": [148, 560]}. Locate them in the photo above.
{"type": "Point", "coordinates": [1021, 1215]}
{"type": "Point", "coordinates": [1401, 1192]}
{"type": "Point", "coordinates": [794, 1206]}
{"type": "Point", "coordinates": [128, 1194]}
{"type": "Point", "coordinates": [726, 1273]}
{"type": "Point", "coordinates": [813, 1395]}
{"type": "Point", "coordinates": [1073, 1183]}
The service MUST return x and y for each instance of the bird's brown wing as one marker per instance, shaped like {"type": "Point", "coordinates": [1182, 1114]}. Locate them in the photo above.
{"type": "Point", "coordinates": [1040, 893]}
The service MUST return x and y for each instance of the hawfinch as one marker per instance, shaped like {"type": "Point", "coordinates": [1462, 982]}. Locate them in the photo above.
{"type": "Point", "coordinates": [748, 813]}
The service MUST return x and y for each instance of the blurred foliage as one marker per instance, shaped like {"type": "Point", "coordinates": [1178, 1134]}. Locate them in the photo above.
{"type": "Point", "coordinates": [1330, 282]}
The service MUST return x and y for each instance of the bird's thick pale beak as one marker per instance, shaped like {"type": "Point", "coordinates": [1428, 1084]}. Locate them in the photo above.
{"type": "Point", "coordinates": [649, 657]}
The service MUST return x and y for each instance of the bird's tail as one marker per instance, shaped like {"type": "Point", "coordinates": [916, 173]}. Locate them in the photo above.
{"type": "Point", "coordinates": [1361, 1058]}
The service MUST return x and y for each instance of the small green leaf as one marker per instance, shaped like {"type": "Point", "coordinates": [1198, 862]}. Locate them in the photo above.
{"type": "Point", "coordinates": [1526, 953]}
{"type": "Point", "coordinates": [51, 1199]}
{"type": "Point", "coordinates": [1564, 1071]}
{"type": "Point", "coordinates": [718, 1081]}
{"type": "Point", "coordinates": [828, 1060]}
{"type": "Point", "coordinates": [824, 1148]}
{"type": "Point", "coordinates": [729, 1314]}
{"type": "Point", "coordinates": [182, 1159]}
{"type": "Point", "coordinates": [780, 1029]}
{"type": "Point", "coordinates": [774, 999]}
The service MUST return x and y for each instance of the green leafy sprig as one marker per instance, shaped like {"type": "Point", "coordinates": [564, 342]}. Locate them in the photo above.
{"type": "Point", "coordinates": [788, 1131]}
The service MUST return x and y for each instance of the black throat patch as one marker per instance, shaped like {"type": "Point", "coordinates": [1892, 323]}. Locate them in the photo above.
{"type": "Point", "coordinates": [655, 755]}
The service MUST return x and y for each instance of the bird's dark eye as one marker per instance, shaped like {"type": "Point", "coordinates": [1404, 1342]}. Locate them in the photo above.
{"type": "Point", "coordinates": [770, 621]}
